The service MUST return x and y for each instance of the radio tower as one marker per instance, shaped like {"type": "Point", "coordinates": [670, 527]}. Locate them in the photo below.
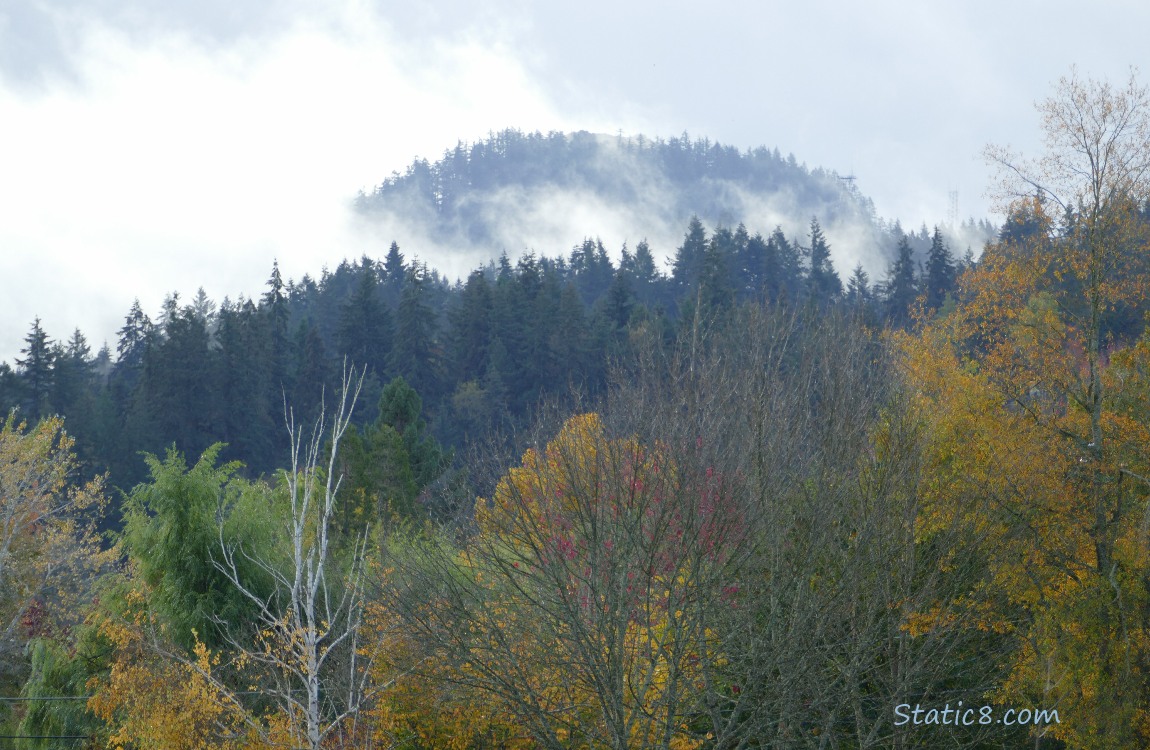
{"type": "Point", "coordinates": [952, 212]}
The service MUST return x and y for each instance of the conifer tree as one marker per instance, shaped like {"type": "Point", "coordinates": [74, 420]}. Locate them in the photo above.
{"type": "Point", "coordinates": [901, 288]}
{"type": "Point", "coordinates": [689, 260]}
{"type": "Point", "coordinates": [365, 328]}
{"type": "Point", "coordinates": [414, 354]}
{"type": "Point", "coordinates": [753, 268]}
{"type": "Point", "coordinates": [133, 336]}
{"type": "Point", "coordinates": [72, 387]}
{"type": "Point", "coordinates": [784, 267]}
{"type": "Point", "coordinates": [592, 270]}
{"type": "Point", "coordinates": [715, 293]}
{"type": "Point", "coordinates": [470, 329]}
{"type": "Point", "coordinates": [394, 275]}
{"type": "Point", "coordinates": [940, 272]}
{"type": "Point", "coordinates": [36, 371]}
{"type": "Point", "coordinates": [313, 372]}
{"type": "Point", "coordinates": [858, 286]}
{"type": "Point", "coordinates": [648, 283]}
{"type": "Point", "coordinates": [823, 282]}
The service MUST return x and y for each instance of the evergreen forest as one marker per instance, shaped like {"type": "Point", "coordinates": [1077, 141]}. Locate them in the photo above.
{"type": "Point", "coordinates": [721, 495]}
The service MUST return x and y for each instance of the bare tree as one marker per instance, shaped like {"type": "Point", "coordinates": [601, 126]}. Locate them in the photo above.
{"type": "Point", "coordinates": [308, 627]}
{"type": "Point", "coordinates": [803, 605]}
{"type": "Point", "coordinates": [842, 608]}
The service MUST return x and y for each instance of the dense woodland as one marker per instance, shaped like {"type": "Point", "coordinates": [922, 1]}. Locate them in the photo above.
{"type": "Point", "coordinates": [582, 501]}
{"type": "Point", "coordinates": [481, 354]}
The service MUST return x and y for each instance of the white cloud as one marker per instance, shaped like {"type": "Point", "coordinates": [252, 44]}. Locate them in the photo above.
{"type": "Point", "coordinates": [174, 164]}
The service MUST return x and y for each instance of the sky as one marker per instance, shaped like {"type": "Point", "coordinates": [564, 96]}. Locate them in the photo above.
{"type": "Point", "coordinates": [150, 146]}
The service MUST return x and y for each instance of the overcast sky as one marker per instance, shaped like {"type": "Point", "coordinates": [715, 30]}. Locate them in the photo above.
{"type": "Point", "coordinates": [150, 146]}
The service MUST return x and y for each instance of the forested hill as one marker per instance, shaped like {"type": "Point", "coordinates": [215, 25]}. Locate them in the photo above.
{"type": "Point", "coordinates": [482, 353]}
{"type": "Point", "coordinates": [517, 190]}
{"type": "Point", "coordinates": [467, 189]}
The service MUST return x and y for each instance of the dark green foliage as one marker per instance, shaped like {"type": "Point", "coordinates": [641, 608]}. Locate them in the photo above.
{"type": "Point", "coordinates": [394, 275]}
{"type": "Point", "coordinates": [415, 353]}
{"type": "Point", "coordinates": [313, 371]}
{"type": "Point", "coordinates": [276, 317]}
{"type": "Point", "coordinates": [648, 285]}
{"type": "Point", "coordinates": [60, 673]}
{"type": "Point", "coordinates": [365, 329]}
{"type": "Point", "coordinates": [783, 274]}
{"type": "Point", "coordinates": [823, 282]}
{"type": "Point", "coordinates": [36, 371]}
{"type": "Point", "coordinates": [858, 287]}
{"type": "Point", "coordinates": [618, 303]}
{"type": "Point", "coordinates": [688, 265]}
{"type": "Point", "coordinates": [75, 392]}
{"type": "Point", "coordinates": [470, 329]}
{"type": "Point", "coordinates": [400, 408]}
{"type": "Point", "coordinates": [901, 286]}
{"type": "Point", "coordinates": [9, 388]}
{"type": "Point", "coordinates": [134, 337]}
{"type": "Point", "coordinates": [715, 293]}
{"type": "Point", "coordinates": [246, 411]}
{"type": "Point", "coordinates": [482, 354]}
{"type": "Point", "coordinates": [591, 269]}
{"type": "Point", "coordinates": [940, 272]}
{"type": "Point", "coordinates": [388, 463]}
{"type": "Point", "coordinates": [752, 268]}
{"type": "Point", "coordinates": [177, 381]}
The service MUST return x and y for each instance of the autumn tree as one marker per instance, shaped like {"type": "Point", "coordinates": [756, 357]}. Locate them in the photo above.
{"type": "Point", "coordinates": [1036, 423]}
{"type": "Point", "coordinates": [726, 554]}
{"type": "Point", "coordinates": [50, 563]}
{"type": "Point", "coordinates": [579, 607]}
{"type": "Point", "coordinates": [49, 555]}
{"type": "Point", "coordinates": [825, 623]}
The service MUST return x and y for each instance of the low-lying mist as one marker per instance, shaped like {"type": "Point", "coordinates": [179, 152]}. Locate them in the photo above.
{"type": "Point", "coordinates": [518, 193]}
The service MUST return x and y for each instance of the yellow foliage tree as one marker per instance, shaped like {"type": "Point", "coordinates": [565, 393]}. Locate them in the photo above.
{"type": "Point", "coordinates": [1039, 427]}
{"type": "Point", "coordinates": [49, 555]}
{"type": "Point", "coordinates": [150, 700]}
{"type": "Point", "coordinates": [575, 615]}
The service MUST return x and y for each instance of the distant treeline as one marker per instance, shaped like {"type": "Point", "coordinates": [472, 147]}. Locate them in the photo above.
{"type": "Point", "coordinates": [480, 353]}
{"type": "Point", "coordinates": [474, 191]}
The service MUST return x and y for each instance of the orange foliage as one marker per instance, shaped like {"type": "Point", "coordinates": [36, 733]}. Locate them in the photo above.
{"type": "Point", "coordinates": [149, 701]}
{"type": "Point", "coordinates": [581, 623]}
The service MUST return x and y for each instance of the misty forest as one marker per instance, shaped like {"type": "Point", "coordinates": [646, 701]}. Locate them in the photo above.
{"type": "Point", "coordinates": [728, 492]}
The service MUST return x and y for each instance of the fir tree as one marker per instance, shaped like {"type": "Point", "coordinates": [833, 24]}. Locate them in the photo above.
{"type": "Point", "coordinates": [414, 355]}
{"type": "Point", "coordinates": [940, 272]}
{"type": "Point", "coordinates": [823, 282]}
{"type": "Point", "coordinates": [36, 371]}
{"type": "Point", "coordinates": [394, 276]}
{"type": "Point", "coordinates": [900, 286]}
{"type": "Point", "coordinates": [470, 329]}
{"type": "Point", "coordinates": [688, 262]}
{"type": "Point", "coordinates": [858, 286]}
{"type": "Point", "coordinates": [783, 277]}
{"type": "Point", "coordinates": [364, 335]}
